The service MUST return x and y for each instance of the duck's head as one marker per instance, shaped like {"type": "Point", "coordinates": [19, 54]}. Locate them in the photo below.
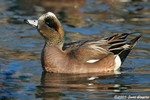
{"type": "Point", "coordinates": [50, 28]}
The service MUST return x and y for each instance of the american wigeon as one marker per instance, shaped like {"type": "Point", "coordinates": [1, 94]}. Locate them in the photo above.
{"type": "Point", "coordinates": [87, 56]}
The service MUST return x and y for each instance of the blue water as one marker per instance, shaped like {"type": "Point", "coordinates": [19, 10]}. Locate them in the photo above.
{"type": "Point", "coordinates": [21, 76]}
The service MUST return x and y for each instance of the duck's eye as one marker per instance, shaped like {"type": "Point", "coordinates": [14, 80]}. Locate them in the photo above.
{"type": "Point", "coordinates": [51, 23]}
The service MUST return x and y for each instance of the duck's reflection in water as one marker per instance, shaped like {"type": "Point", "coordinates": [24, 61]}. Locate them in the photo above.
{"type": "Point", "coordinates": [58, 86]}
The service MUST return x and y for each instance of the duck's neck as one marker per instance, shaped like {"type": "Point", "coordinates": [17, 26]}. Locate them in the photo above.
{"type": "Point", "coordinates": [59, 45]}
{"type": "Point", "coordinates": [49, 54]}
{"type": "Point", "coordinates": [51, 36]}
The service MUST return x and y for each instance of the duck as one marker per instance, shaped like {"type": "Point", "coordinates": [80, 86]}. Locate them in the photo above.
{"type": "Point", "coordinates": [102, 55]}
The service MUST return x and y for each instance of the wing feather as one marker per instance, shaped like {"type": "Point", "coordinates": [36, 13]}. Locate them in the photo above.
{"type": "Point", "coordinates": [98, 49]}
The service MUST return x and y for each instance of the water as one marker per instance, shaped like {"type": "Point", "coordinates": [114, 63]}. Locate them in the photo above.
{"type": "Point", "coordinates": [21, 76]}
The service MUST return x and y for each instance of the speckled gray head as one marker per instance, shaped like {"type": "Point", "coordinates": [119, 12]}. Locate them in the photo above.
{"type": "Point", "coordinates": [35, 23]}
{"type": "Point", "coordinates": [48, 14]}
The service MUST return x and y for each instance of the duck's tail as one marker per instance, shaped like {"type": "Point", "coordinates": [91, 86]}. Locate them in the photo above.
{"type": "Point", "coordinates": [121, 44]}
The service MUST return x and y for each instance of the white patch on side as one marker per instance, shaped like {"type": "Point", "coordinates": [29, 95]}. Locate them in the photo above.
{"type": "Point", "coordinates": [117, 63]}
{"type": "Point", "coordinates": [90, 84]}
{"type": "Point", "coordinates": [92, 78]}
{"type": "Point", "coordinates": [92, 61]}
{"type": "Point", "coordinates": [51, 14]}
